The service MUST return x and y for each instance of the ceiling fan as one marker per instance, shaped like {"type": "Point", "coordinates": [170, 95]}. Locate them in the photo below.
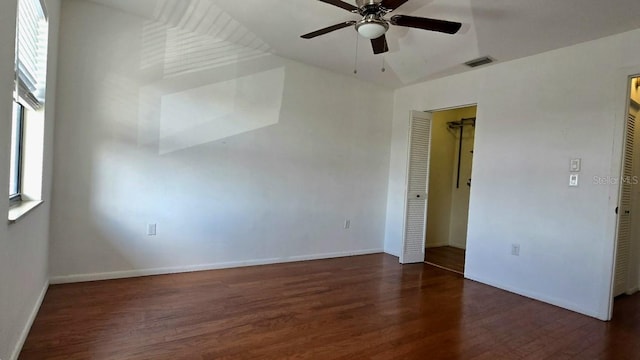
{"type": "Point", "coordinates": [374, 26]}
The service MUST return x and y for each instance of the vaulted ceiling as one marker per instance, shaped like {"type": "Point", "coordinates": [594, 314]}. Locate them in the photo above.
{"type": "Point", "coordinates": [502, 29]}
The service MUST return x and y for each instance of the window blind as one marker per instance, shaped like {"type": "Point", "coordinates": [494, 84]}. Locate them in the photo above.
{"type": "Point", "coordinates": [31, 52]}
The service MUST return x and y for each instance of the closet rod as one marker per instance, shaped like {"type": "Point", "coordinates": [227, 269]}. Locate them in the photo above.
{"type": "Point", "coordinates": [461, 124]}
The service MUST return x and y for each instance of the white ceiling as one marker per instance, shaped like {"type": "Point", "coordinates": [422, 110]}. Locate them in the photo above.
{"type": "Point", "coordinates": [502, 29]}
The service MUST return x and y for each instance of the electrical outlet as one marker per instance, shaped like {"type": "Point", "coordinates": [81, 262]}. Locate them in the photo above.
{"type": "Point", "coordinates": [151, 229]}
{"type": "Point", "coordinates": [515, 249]}
{"type": "Point", "coordinates": [347, 224]}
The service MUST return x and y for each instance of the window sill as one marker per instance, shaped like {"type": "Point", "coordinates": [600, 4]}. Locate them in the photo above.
{"type": "Point", "coordinates": [18, 211]}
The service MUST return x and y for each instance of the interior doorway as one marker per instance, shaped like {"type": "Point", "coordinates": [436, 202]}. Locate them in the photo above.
{"type": "Point", "coordinates": [449, 187]}
{"type": "Point", "coordinates": [627, 260]}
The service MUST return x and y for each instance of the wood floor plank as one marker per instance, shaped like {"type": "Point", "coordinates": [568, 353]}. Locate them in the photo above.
{"type": "Point", "coordinates": [447, 257]}
{"type": "Point", "coordinates": [365, 307]}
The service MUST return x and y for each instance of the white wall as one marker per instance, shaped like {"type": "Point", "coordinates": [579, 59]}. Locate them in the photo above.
{"type": "Point", "coordinates": [238, 162]}
{"type": "Point", "coordinates": [23, 245]}
{"type": "Point", "coordinates": [534, 115]}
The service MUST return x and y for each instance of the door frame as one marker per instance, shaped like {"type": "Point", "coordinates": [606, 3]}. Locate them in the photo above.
{"type": "Point", "coordinates": [406, 189]}
{"type": "Point", "coordinates": [625, 76]}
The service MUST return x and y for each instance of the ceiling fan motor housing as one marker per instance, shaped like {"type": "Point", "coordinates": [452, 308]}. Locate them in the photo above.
{"type": "Point", "coordinates": [371, 7]}
{"type": "Point", "coordinates": [362, 3]}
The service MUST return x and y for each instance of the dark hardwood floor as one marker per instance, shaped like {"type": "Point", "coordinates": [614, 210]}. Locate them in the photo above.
{"type": "Point", "coordinates": [447, 257]}
{"type": "Point", "coordinates": [366, 307]}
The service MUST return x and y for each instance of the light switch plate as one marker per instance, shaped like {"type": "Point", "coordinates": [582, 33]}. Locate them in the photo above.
{"type": "Point", "coordinates": [576, 164]}
{"type": "Point", "coordinates": [574, 180]}
{"type": "Point", "coordinates": [151, 229]}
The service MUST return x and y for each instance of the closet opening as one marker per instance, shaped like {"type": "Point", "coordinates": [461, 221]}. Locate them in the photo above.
{"type": "Point", "coordinates": [449, 187]}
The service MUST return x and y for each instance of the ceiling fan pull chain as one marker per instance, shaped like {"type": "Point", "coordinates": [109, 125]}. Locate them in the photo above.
{"type": "Point", "coordinates": [355, 65]}
{"type": "Point", "coordinates": [383, 68]}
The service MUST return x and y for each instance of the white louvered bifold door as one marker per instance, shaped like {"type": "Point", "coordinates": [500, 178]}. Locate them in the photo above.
{"type": "Point", "coordinates": [417, 185]}
{"type": "Point", "coordinates": [623, 249]}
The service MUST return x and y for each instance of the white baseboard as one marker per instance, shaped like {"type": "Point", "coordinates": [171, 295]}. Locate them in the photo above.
{"type": "Point", "coordinates": [65, 279]}
{"type": "Point", "coordinates": [458, 246]}
{"type": "Point", "coordinates": [438, 244]}
{"type": "Point", "coordinates": [27, 326]}
{"type": "Point", "coordinates": [540, 297]}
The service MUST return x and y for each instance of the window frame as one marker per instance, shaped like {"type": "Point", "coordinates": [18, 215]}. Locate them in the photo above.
{"type": "Point", "coordinates": [16, 198]}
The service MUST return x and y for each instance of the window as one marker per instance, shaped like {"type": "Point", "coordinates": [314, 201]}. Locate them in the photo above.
{"type": "Point", "coordinates": [29, 95]}
{"type": "Point", "coordinates": [17, 129]}
{"type": "Point", "coordinates": [31, 52]}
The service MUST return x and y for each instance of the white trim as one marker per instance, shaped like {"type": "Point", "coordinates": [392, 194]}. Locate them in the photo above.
{"type": "Point", "coordinates": [623, 75]}
{"type": "Point", "coordinates": [540, 297]}
{"type": "Point", "coordinates": [406, 190]}
{"type": "Point", "coordinates": [451, 108]}
{"type": "Point", "coordinates": [27, 326]}
{"type": "Point", "coordinates": [443, 267]}
{"type": "Point", "coordinates": [458, 246]}
{"type": "Point", "coordinates": [392, 254]}
{"type": "Point", "coordinates": [438, 244]}
{"type": "Point", "coordinates": [65, 279]}
{"type": "Point", "coordinates": [23, 208]}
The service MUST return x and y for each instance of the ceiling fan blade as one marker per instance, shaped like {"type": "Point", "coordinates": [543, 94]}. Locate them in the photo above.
{"type": "Point", "coordinates": [392, 4]}
{"type": "Point", "coordinates": [341, 4]}
{"type": "Point", "coordinates": [380, 45]}
{"type": "Point", "coordinates": [448, 27]}
{"type": "Point", "coordinates": [327, 30]}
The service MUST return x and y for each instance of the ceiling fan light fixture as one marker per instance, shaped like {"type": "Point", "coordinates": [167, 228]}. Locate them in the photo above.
{"type": "Point", "coordinates": [372, 27]}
